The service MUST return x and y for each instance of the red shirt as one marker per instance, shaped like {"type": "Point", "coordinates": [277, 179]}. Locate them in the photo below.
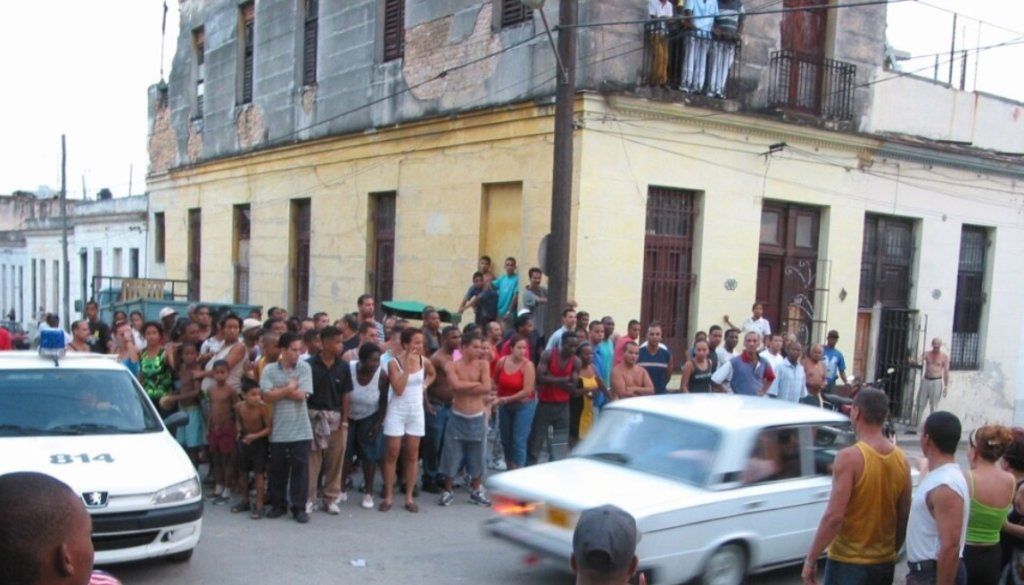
{"type": "Point", "coordinates": [556, 394]}
{"type": "Point", "coordinates": [5, 339]}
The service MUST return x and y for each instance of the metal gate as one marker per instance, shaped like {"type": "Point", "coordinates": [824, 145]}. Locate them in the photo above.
{"type": "Point", "coordinates": [665, 296]}
{"type": "Point", "coordinates": [899, 344]}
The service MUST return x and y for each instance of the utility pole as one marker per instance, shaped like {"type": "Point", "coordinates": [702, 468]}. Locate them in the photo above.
{"type": "Point", "coordinates": [66, 273]}
{"type": "Point", "coordinates": [557, 258]}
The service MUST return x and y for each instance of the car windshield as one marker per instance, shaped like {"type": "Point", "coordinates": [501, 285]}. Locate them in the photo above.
{"type": "Point", "coordinates": [651, 443]}
{"type": "Point", "coordinates": [58, 401]}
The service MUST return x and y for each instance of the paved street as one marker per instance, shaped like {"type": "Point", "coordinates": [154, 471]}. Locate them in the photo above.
{"type": "Point", "coordinates": [436, 546]}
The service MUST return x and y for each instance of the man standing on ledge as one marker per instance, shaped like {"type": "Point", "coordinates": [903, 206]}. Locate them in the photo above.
{"type": "Point", "coordinates": [865, 522]}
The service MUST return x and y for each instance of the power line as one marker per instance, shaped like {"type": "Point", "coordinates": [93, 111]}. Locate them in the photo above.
{"type": "Point", "coordinates": [975, 19]}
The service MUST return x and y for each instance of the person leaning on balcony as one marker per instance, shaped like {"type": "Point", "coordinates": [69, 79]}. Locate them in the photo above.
{"type": "Point", "coordinates": [727, 30]}
{"type": "Point", "coordinates": [700, 18]}
{"type": "Point", "coordinates": [659, 10]}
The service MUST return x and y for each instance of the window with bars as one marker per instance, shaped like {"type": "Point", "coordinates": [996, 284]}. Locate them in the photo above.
{"type": "Point", "coordinates": [199, 54]}
{"type": "Point", "coordinates": [133, 262]}
{"type": "Point", "coordinates": [301, 239]}
{"type": "Point", "coordinates": [514, 12]}
{"type": "Point", "coordinates": [195, 252]}
{"type": "Point", "coordinates": [247, 28]}
{"type": "Point", "coordinates": [887, 258]}
{"type": "Point", "coordinates": [309, 41]}
{"type": "Point", "coordinates": [394, 29]}
{"type": "Point", "coordinates": [970, 299]}
{"type": "Point", "coordinates": [158, 236]}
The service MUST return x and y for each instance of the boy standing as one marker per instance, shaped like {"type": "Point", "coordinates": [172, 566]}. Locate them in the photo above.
{"type": "Point", "coordinates": [222, 432]}
{"type": "Point", "coordinates": [253, 446]}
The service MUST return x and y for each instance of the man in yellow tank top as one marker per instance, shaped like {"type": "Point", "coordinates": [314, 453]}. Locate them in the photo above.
{"type": "Point", "coordinates": [865, 522]}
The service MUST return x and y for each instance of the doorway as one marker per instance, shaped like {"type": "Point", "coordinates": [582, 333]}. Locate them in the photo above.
{"type": "Point", "coordinates": [791, 279]}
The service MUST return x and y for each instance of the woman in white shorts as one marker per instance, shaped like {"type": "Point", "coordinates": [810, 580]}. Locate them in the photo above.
{"type": "Point", "coordinates": [405, 422]}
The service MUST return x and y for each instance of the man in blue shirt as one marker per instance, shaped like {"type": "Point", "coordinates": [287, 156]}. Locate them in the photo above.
{"type": "Point", "coordinates": [835, 363]}
{"type": "Point", "coordinates": [656, 359]}
{"type": "Point", "coordinates": [507, 286]}
{"type": "Point", "coordinates": [482, 298]}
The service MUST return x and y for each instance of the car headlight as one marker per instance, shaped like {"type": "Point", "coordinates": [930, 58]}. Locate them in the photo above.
{"type": "Point", "coordinates": [179, 492]}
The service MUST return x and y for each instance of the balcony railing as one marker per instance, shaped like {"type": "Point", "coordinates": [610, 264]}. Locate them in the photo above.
{"type": "Point", "coordinates": [811, 85]}
{"type": "Point", "coordinates": [667, 47]}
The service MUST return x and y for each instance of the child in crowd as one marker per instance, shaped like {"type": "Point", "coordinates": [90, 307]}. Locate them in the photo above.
{"type": "Point", "coordinates": [253, 445]}
{"type": "Point", "coordinates": [222, 432]}
{"type": "Point", "coordinates": [192, 436]}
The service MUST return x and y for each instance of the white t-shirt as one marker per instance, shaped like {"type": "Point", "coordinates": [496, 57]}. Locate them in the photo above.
{"type": "Point", "coordinates": [761, 326]}
{"type": "Point", "coordinates": [775, 361]}
{"type": "Point", "coordinates": [656, 9]}
{"type": "Point", "coordinates": [922, 531]}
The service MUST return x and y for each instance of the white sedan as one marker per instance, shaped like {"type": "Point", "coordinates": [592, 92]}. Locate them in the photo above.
{"type": "Point", "coordinates": [720, 485]}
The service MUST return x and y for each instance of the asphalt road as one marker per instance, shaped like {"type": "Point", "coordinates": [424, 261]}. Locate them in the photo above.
{"type": "Point", "coordinates": [436, 546]}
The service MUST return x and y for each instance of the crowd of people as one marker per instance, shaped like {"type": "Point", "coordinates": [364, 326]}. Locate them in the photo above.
{"type": "Point", "coordinates": [291, 409]}
{"type": "Point", "coordinates": [958, 526]}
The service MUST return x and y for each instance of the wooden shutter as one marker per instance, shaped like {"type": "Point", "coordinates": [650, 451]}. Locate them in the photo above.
{"type": "Point", "coordinates": [394, 29]}
{"type": "Point", "coordinates": [514, 12]}
{"type": "Point", "coordinates": [309, 42]}
{"type": "Point", "coordinates": [248, 50]}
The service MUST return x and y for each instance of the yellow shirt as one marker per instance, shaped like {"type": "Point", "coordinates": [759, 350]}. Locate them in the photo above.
{"type": "Point", "coordinates": [868, 533]}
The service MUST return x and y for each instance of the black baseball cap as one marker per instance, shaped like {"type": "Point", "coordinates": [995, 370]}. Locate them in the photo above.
{"type": "Point", "coordinates": [605, 539]}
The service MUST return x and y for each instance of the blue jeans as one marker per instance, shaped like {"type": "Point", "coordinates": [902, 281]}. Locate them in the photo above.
{"type": "Point", "coordinates": [840, 573]}
{"type": "Point", "coordinates": [515, 421]}
{"type": "Point", "coordinates": [433, 441]}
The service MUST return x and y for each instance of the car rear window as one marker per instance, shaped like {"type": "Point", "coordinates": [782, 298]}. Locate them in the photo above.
{"type": "Point", "coordinates": [64, 401]}
{"type": "Point", "coordinates": [652, 443]}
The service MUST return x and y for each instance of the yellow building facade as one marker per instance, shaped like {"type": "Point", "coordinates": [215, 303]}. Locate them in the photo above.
{"type": "Point", "coordinates": [480, 183]}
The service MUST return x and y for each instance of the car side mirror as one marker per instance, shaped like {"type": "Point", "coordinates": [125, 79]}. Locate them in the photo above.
{"type": "Point", "coordinates": [178, 419]}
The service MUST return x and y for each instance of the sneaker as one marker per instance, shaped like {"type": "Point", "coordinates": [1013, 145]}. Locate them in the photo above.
{"type": "Point", "coordinates": [343, 497]}
{"type": "Point", "coordinates": [497, 465]}
{"type": "Point", "coordinates": [275, 513]}
{"type": "Point", "coordinates": [302, 517]}
{"type": "Point", "coordinates": [446, 499]}
{"type": "Point", "coordinates": [217, 493]}
{"type": "Point", "coordinates": [367, 502]}
{"type": "Point", "coordinates": [479, 498]}
{"type": "Point", "coordinates": [310, 507]}
{"type": "Point", "coordinates": [220, 500]}
{"type": "Point", "coordinates": [333, 509]}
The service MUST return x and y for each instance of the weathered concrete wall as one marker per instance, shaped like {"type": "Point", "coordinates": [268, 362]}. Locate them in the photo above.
{"type": "Point", "coordinates": [925, 108]}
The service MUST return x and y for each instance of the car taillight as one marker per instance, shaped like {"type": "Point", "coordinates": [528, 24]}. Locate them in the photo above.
{"type": "Point", "coordinates": [507, 506]}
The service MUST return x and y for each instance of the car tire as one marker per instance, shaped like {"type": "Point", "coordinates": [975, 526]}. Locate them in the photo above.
{"type": "Point", "coordinates": [726, 566]}
{"type": "Point", "coordinates": [182, 557]}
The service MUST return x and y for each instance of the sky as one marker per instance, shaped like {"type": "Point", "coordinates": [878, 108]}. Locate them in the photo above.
{"type": "Point", "coordinates": [86, 71]}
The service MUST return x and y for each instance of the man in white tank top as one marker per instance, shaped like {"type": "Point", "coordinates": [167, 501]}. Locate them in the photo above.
{"type": "Point", "coordinates": [939, 509]}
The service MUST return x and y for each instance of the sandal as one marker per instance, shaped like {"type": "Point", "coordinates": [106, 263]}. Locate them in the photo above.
{"type": "Point", "coordinates": [256, 513]}
{"type": "Point", "coordinates": [412, 507]}
{"type": "Point", "coordinates": [239, 508]}
{"type": "Point", "coordinates": [384, 506]}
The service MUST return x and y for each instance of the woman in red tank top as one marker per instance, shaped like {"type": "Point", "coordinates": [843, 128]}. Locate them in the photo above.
{"type": "Point", "coordinates": [514, 376]}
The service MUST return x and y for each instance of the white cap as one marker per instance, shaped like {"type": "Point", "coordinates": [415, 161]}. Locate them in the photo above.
{"type": "Point", "coordinates": [167, 312]}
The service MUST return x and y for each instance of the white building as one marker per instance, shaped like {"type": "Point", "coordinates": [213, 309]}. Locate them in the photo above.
{"type": "Point", "coordinates": [106, 238]}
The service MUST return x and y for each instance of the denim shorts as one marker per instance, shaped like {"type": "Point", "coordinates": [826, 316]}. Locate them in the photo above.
{"type": "Point", "coordinates": [361, 441]}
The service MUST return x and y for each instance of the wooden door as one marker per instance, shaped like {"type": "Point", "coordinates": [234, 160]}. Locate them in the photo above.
{"type": "Point", "coordinates": [788, 265]}
{"type": "Point", "coordinates": [803, 36]}
{"type": "Point", "coordinates": [382, 273]}
{"type": "Point", "coordinates": [195, 252]}
{"type": "Point", "coordinates": [861, 344]}
{"type": "Point", "coordinates": [769, 287]}
{"type": "Point", "coordinates": [302, 235]}
{"type": "Point", "coordinates": [667, 265]}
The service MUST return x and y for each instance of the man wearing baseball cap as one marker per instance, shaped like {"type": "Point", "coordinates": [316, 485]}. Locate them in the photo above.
{"type": "Point", "coordinates": [604, 547]}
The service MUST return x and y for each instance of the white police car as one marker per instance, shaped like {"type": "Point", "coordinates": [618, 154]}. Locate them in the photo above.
{"type": "Point", "coordinates": [84, 419]}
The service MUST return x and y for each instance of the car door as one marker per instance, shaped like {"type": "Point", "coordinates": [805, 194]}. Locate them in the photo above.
{"type": "Point", "coordinates": [780, 495]}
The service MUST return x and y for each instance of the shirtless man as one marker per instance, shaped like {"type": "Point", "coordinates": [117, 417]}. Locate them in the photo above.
{"type": "Point", "coordinates": [438, 408]}
{"type": "Point", "coordinates": [470, 380]}
{"type": "Point", "coordinates": [222, 432]}
{"type": "Point", "coordinates": [629, 379]}
{"type": "Point", "coordinates": [253, 446]}
{"type": "Point", "coordinates": [935, 382]}
{"type": "Point", "coordinates": [814, 368]}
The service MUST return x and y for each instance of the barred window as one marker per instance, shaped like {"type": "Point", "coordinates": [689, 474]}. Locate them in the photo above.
{"type": "Point", "coordinates": [970, 299]}
{"type": "Point", "coordinates": [199, 54]}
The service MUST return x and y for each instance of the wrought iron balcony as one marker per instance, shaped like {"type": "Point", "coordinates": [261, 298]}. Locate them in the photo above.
{"type": "Point", "coordinates": [812, 85]}
{"type": "Point", "coordinates": [667, 46]}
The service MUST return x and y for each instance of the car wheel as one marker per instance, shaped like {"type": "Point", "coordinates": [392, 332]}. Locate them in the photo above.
{"type": "Point", "coordinates": [726, 566]}
{"type": "Point", "coordinates": [182, 557]}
